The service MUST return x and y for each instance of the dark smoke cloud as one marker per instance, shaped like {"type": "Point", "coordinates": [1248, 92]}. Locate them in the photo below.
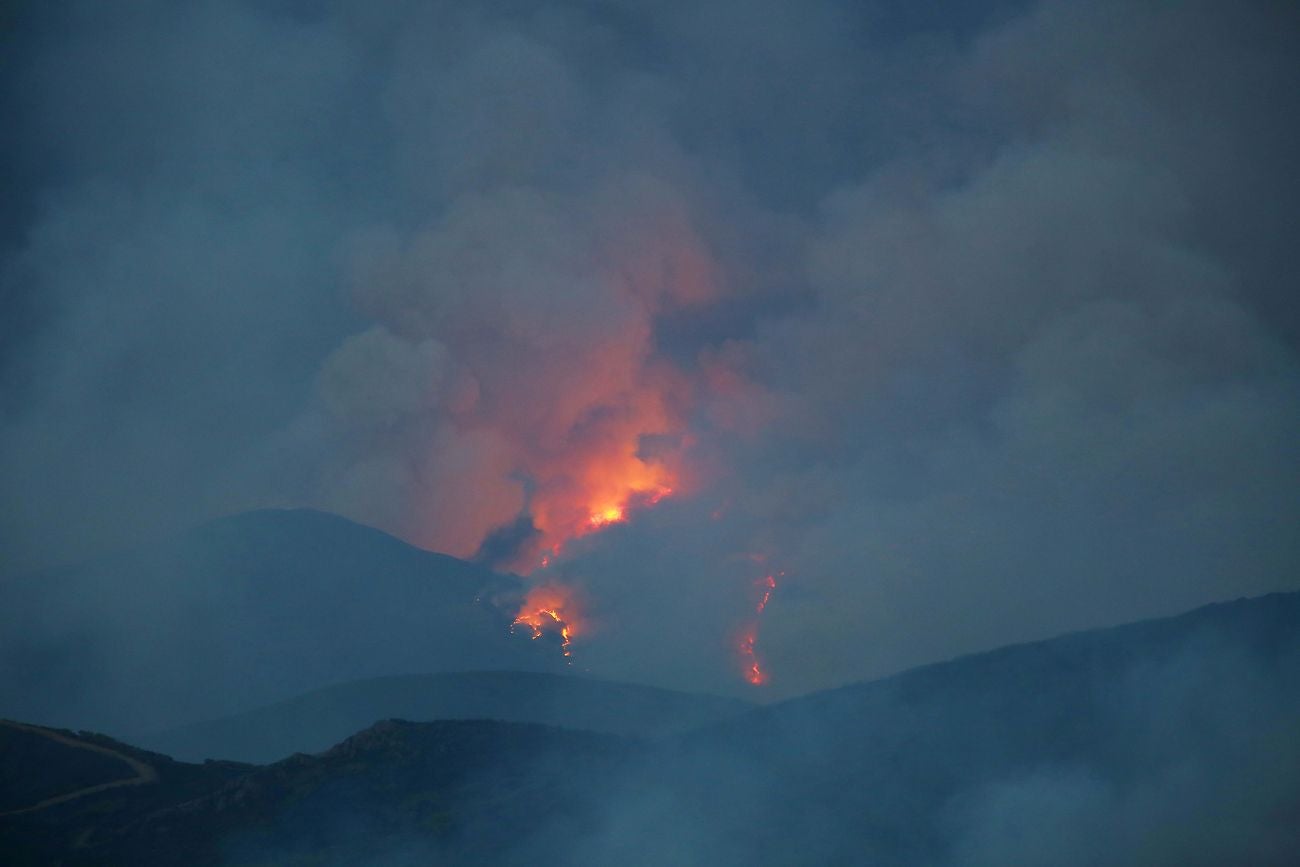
{"type": "Point", "coordinates": [978, 323]}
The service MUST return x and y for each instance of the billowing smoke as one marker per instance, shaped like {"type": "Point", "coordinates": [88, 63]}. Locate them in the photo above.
{"type": "Point", "coordinates": [978, 323]}
{"type": "Point", "coordinates": [512, 373]}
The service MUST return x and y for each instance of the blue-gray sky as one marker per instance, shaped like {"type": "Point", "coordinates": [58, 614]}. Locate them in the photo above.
{"type": "Point", "coordinates": [979, 323]}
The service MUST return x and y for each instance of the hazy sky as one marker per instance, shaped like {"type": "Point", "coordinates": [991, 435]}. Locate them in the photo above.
{"type": "Point", "coordinates": [980, 324]}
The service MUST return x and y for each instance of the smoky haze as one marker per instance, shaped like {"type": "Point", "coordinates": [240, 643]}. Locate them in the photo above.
{"type": "Point", "coordinates": [978, 324]}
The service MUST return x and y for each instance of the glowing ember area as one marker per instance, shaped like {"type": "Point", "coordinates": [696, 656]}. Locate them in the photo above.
{"type": "Point", "coordinates": [768, 584]}
{"type": "Point", "coordinates": [616, 513]}
{"type": "Point", "coordinates": [607, 515]}
{"type": "Point", "coordinates": [549, 608]}
{"type": "Point", "coordinates": [752, 667]}
{"type": "Point", "coordinates": [614, 462]}
{"type": "Point", "coordinates": [573, 508]}
{"type": "Point", "coordinates": [561, 514]}
{"type": "Point", "coordinates": [754, 672]}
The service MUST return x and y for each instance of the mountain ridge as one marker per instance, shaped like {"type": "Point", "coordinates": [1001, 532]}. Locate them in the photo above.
{"type": "Point", "coordinates": [316, 720]}
{"type": "Point", "coordinates": [1160, 742]}
{"type": "Point", "coordinates": [241, 612]}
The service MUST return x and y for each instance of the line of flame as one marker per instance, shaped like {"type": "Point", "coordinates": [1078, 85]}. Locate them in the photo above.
{"type": "Point", "coordinates": [753, 668]}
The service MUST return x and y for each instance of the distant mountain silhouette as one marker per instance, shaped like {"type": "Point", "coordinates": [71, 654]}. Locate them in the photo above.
{"type": "Point", "coordinates": [1163, 742]}
{"type": "Point", "coordinates": [240, 613]}
{"type": "Point", "coordinates": [462, 792]}
{"type": "Point", "coordinates": [1170, 741]}
{"type": "Point", "coordinates": [67, 795]}
{"type": "Point", "coordinates": [315, 721]}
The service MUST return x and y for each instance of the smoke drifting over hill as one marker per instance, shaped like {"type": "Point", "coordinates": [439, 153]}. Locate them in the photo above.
{"type": "Point", "coordinates": [1164, 742]}
{"type": "Point", "coordinates": [979, 323]}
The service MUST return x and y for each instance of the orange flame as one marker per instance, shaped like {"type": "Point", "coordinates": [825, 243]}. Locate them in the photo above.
{"type": "Point", "coordinates": [612, 503]}
{"type": "Point", "coordinates": [606, 515]}
{"type": "Point", "coordinates": [607, 462]}
{"type": "Point", "coordinates": [752, 666]}
{"type": "Point", "coordinates": [616, 512]}
{"type": "Point", "coordinates": [769, 584]}
{"type": "Point", "coordinates": [550, 608]}
{"type": "Point", "coordinates": [754, 671]}
{"type": "Point", "coordinates": [549, 605]}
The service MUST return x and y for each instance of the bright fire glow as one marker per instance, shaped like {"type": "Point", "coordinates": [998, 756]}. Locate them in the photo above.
{"type": "Point", "coordinates": [550, 608]}
{"type": "Point", "coordinates": [768, 584]}
{"type": "Point", "coordinates": [753, 670]}
{"type": "Point", "coordinates": [616, 513]}
{"type": "Point", "coordinates": [752, 667]}
{"type": "Point", "coordinates": [606, 515]}
{"type": "Point", "coordinates": [629, 460]}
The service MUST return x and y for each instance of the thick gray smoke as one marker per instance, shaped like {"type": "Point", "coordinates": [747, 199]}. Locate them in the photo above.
{"type": "Point", "coordinates": [978, 323]}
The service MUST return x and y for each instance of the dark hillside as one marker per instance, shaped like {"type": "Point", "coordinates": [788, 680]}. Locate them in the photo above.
{"type": "Point", "coordinates": [1168, 742]}
{"type": "Point", "coordinates": [1196, 714]}
{"type": "Point", "coordinates": [66, 794]}
{"type": "Point", "coordinates": [240, 613]}
{"type": "Point", "coordinates": [312, 722]}
{"type": "Point", "coordinates": [463, 792]}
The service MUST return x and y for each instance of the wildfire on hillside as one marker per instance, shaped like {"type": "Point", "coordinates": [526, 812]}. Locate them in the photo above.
{"type": "Point", "coordinates": [752, 667]}
{"type": "Point", "coordinates": [550, 608]}
{"type": "Point", "coordinates": [753, 671]}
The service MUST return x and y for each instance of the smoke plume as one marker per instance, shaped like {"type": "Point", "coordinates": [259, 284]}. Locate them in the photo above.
{"type": "Point", "coordinates": [977, 322]}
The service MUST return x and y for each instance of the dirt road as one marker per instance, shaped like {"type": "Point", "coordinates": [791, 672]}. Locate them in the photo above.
{"type": "Point", "coordinates": [144, 773]}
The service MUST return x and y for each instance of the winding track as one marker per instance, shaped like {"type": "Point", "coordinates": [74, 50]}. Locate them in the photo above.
{"type": "Point", "coordinates": [144, 773]}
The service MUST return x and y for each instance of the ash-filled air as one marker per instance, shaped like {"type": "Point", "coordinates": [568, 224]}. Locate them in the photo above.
{"type": "Point", "coordinates": [960, 325]}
